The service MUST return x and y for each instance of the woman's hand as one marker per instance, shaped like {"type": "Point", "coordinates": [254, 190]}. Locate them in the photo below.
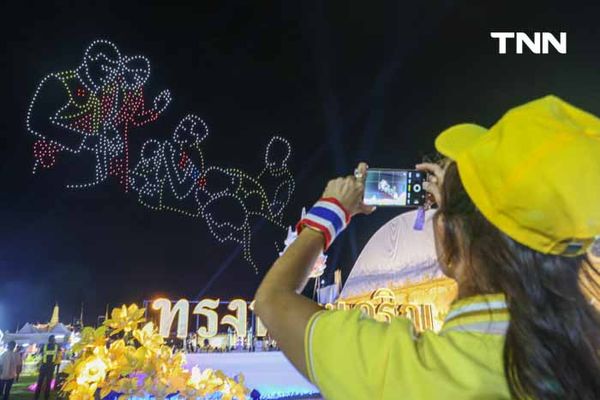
{"type": "Point", "coordinates": [435, 179]}
{"type": "Point", "coordinates": [349, 191]}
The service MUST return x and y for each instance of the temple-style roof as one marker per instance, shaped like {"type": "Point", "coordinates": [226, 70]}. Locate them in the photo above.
{"type": "Point", "coordinates": [28, 329]}
{"type": "Point", "coordinates": [60, 328]}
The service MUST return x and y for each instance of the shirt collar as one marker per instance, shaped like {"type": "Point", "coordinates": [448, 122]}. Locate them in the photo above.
{"type": "Point", "coordinates": [481, 314]}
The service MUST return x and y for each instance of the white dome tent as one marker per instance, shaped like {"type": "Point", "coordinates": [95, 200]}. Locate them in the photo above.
{"type": "Point", "coordinates": [402, 260]}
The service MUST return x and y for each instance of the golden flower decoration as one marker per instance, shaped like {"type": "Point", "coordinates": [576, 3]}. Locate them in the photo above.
{"type": "Point", "coordinates": [125, 319]}
{"type": "Point", "coordinates": [93, 371]}
{"type": "Point", "coordinates": [91, 338]}
{"type": "Point", "coordinates": [104, 366]}
{"type": "Point", "coordinates": [148, 337]}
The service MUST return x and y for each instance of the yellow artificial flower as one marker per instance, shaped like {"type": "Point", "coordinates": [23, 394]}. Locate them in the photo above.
{"type": "Point", "coordinates": [195, 377]}
{"type": "Point", "coordinates": [117, 348]}
{"type": "Point", "coordinates": [127, 386]}
{"type": "Point", "coordinates": [125, 319]}
{"type": "Point", "coordinates": [210, 382]}
{"type": "Point", "coordinates": [91, 338]}
{"type": "Point", "coordinates": [118, 355]}
{"type": "Point", "coordinates": [116, 366]}
{"type": "Point", "coordinates": [105, 391]}
{"type": "Point", "coordinates": [148, 336]}
{"type": "Point", "coordinates": [136, 358]}
{"type": "Point", "coordinates": [69, 385]}
{"type": "Point", "coordinates": [83, 392]}
{"type": "Point", "coordinates": [93, 371]}
{"type": "Point", "coordinates": [238, 389]}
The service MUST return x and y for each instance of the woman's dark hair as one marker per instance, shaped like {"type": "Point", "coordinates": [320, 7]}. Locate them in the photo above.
{"type": "Point", "coordinates": [552, 348]}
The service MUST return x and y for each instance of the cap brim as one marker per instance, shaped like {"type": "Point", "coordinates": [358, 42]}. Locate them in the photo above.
{"type": "Point", "coordinates": [458, 138]}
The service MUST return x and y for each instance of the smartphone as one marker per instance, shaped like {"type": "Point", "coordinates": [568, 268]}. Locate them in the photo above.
{"type": "Point", "coordinates": [394, 187]}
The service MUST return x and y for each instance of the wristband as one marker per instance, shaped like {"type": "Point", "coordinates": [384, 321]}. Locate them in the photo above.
{"type": "Point", "coordinates": [328, 216]}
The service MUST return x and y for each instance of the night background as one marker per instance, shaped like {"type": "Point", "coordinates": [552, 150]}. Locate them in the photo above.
{"type": "Point", "coordinates": [343, 81]}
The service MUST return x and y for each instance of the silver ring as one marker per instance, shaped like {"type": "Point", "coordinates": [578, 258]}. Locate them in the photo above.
{"type": "Point", "coordinates": [357, 174]}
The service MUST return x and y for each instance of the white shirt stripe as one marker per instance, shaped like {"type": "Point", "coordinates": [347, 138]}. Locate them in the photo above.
{"type": "Point", "coordinates": [310, 366]}
{"type": "Point", "coordinates": [492, 305]}
{"type": "Point", "coordinates": [334, 208]}
{"type": "Point", "coordinates": [328, 225]}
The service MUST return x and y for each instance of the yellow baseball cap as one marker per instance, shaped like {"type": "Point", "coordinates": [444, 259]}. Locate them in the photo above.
{"type": "Point", "coordinates": [535, 174]}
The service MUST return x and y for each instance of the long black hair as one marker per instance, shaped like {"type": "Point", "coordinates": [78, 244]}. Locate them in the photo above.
{"type": "Point", "coordinates": [552, 348]}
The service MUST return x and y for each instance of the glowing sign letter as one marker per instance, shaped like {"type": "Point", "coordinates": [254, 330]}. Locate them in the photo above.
{"type": "Point", "coordinates": [412, 312]}
{"type": "Point", "coordinates": [367, 308]}
{"type": "Point", "coordinates": [240, 321]}
{"type": "Point", "coordinates": [167, 315]}
{"type": "Point", "coordinates": [385, 311]}
{"type": "Point", "coordinates": [260, 328]}
{"type": "Point", "coordinates": [427, 317]}
{"type": "Point", "coordinates": [207, 308]}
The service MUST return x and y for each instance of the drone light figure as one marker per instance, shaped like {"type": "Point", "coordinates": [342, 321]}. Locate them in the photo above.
{"type": "Point", "coordinates": [90, 111]}
{"type": "Point", "coordinates": [173, 175]}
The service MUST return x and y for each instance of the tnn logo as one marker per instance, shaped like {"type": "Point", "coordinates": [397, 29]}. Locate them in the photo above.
{"type": "Point", "coordinates": [539, 44]}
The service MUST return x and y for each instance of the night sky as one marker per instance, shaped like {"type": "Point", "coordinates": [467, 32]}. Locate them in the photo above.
{"type": "Point", "coordinates": [343, 81]}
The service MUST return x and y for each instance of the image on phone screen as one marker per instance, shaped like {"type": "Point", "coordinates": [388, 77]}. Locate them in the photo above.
{"type": "Point", "coordinates": [394, 187]}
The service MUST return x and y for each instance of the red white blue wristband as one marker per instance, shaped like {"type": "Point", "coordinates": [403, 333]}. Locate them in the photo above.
{"type": "Point", "coordinates": [328, 216]}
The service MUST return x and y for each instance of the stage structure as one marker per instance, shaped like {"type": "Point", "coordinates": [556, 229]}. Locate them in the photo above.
{"type": "Point", "coordinates": [83, 117]}
{"type": "Point", "coordinates": [397, 273]}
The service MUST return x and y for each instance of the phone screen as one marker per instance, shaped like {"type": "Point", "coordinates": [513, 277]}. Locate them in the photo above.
{"type": "Point", "coordinates": [394, 187]}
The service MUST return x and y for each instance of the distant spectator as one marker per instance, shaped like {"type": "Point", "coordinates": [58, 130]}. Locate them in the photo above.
{"type": "Point", "coordinates": [21, 352]}
{"type": "Point", "coordinates": [50, 356]}
{"type": "Point", "coordinates": [194, 343]}
{"type": "Point", "coordinates": [10, 363]}
{"type": "Point", "coordinates": [206, 347]}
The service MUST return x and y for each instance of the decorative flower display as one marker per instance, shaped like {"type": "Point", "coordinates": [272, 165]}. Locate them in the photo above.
{"type": "Point", "coordinates": [125, 319]}
{"type": "Point", "coordinates": [321, 261]}
{"type": "Point", "coordinates": [127, 358]}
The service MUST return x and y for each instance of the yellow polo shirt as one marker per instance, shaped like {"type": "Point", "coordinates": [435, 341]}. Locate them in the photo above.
{"type": "Point", "coordinates": [351, 356]}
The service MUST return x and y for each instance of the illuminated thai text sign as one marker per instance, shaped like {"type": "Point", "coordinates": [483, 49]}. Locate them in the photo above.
{"type": "Point", "coordinates": [381, 306]}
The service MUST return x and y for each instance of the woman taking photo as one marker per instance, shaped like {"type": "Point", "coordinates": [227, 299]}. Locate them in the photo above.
{"type": "Point", "coordinates": [518, 210]}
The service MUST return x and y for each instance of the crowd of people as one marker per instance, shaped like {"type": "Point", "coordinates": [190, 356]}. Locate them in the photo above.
{"type": "Point", "coordinates": [196, 344]}
{"type": "Point", "coordinates": [11, 366]}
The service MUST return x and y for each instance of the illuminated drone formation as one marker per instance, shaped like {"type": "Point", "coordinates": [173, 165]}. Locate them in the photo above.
{"type": "Point", "coordinates": [385, 187]}
{"type": "Point", "coordinates": [90, 111]}
{"type": "Point", "coordinates": [172, 175]}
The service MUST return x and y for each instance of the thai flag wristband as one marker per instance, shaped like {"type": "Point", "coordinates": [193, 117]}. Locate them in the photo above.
{"type": "Point", "coordinates": [328, 216]}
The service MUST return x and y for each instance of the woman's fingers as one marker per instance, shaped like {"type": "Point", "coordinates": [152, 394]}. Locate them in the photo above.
{"type": "Point", "coordinates": [434, 189]}
{"type": "Point", "coordinates": [365, 209]}
{"type": "Point", "coordinates": [361, 176]}
{"type": "Point", "coordinates": [433, 169]}
{"type": "Point", "coordinates": [434, 180]}
{"type": "Point", "coordinates": [360, 173]}
{"type": "Point", "coordinates": [349, 191]}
